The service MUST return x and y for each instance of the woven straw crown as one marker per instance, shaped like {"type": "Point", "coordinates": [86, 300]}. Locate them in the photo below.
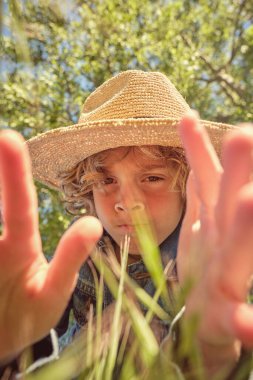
{"type": "Point", "coordinates": [134, 94]}
{"type": "Point", "coordinates": [132, 108]}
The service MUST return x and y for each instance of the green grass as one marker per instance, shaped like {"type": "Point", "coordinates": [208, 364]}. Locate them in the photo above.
{"type": "Point", "coordinates": [119, 343]}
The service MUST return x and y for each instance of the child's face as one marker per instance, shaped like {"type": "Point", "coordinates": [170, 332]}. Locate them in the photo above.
{"type": "Point", "coordinates": [135, 180]}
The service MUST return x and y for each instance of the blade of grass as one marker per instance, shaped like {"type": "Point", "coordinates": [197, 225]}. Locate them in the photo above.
{"type": "Point", "coordinates": [116, 331]}
{"type": "Point", "coordinates": [140, 293]}
{"type": "Point", "coordinates": [150, 252]}
{"type": "Point", "coordinates": [99, 284]}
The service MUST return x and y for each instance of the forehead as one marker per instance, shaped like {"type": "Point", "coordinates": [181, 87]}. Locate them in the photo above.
{"type": "Point", "coordinates": [145, 156]}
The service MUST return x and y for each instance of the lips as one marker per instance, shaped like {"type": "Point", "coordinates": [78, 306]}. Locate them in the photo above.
{"type": "Point", "coordinates": [127, 228]}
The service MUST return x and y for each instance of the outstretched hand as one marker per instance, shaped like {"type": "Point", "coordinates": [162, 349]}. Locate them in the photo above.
{"type": "Point", "coordinates": [33, 292]}
{"type": "Point", "coordinates": [216, 239]}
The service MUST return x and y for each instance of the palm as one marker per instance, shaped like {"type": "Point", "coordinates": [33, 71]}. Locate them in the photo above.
{"type": "Point", "coordinates": [216, 237]}
{"type": "Point", "coordinates": [33, 292]}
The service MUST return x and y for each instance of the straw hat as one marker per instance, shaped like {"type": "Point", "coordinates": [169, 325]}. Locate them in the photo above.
{"type": "Point", "coordinates": [132, 108]}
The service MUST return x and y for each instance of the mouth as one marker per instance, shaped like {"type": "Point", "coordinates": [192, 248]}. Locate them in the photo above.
{"type": "Point", "coordinates": [127, 228]}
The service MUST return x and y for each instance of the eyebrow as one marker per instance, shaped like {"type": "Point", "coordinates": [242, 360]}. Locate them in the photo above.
{"type": "Point", "coordinates": [108, 170]}
{"type": "Point", "coordinates": [152, 166]}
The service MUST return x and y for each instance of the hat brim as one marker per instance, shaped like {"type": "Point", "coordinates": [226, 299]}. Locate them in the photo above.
{"type": "Point", "coordinates": [61, 149]}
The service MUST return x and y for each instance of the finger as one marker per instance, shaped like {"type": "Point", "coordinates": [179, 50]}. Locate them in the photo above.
{"type": "Point", "coordinates": [192, 202]}
{"type": "Point", "coordinates": [243, 324]}
{"type": "Point", "coordinates": [236, 259]}
{"type": "Point", "coordinates": [235, 323]}
{"type": "Point", "coordinates": [18, 192]}
{"type": "Point", "coordinates": [74, 247]}
{"type": "Point", "coordinates": [202, 158]}
{"type": "Point", "coordinates": [189, 230]}
{"type": "Point", "coordinates": [237, 164]}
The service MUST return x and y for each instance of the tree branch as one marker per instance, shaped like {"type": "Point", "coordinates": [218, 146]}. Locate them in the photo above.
{"type": "Point", "coordinates": [235, 39]}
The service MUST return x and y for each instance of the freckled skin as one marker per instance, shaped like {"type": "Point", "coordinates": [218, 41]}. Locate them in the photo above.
{"type": "Point", "coordinates": [135, 179]}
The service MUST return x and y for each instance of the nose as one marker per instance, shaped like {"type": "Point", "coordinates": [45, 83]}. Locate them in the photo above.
{"type": "Point", "coordinates": [129, 197]}
{"type": "Point", "coordinates": [135, 206]}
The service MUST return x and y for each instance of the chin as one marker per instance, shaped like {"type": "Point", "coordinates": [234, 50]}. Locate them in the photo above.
{"type": "Point", "coordinates": [134, 248]}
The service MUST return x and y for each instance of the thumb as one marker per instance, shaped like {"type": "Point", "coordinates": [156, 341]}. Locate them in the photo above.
{"type": "Point", "coordinates": [73, 249]}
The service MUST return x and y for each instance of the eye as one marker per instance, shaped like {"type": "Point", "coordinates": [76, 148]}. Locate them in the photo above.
{"type": "Point", "coordinates": [153, 178]}
{"type": "Point", "coordinates": [108, 181]}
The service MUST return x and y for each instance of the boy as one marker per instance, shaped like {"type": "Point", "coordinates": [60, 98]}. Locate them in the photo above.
{"type": "Point", "coordinates": [99, 167]}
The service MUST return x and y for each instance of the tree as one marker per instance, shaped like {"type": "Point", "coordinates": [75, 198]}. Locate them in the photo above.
{"type": "Point", "coordinates": [55, 53]}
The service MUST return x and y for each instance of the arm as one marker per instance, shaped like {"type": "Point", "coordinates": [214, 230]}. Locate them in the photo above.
{"type": "Point", "coordinates": [216, 242]}
{"type": "Point", "coordinates": [39, 290]}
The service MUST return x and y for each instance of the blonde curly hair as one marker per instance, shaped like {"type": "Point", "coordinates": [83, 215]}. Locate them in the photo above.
{"type": "Point", "coordinates": [77, 183]}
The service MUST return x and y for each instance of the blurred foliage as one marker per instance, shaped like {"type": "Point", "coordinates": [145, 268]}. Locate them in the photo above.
{"type": "Point", "coordinates": [56, 52]}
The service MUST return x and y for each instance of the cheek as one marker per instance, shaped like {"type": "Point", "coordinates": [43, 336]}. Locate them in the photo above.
{"type": "Point", "coordinates": [102, 204]}
{"type": "Point", "coordinates": [166, 207]}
